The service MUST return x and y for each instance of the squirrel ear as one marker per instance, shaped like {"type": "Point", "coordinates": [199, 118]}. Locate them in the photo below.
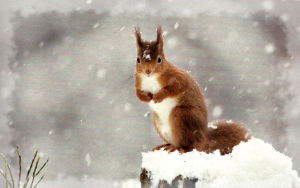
{"type": "Point", "coordinates": [159, 39]}
{"type": "Point", "coordinates": [138, 36]}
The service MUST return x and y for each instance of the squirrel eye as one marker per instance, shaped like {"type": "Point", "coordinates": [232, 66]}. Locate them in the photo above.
{"type": "Point", "coordinates": [138, 60]}
{"type": "Point", "coordinates": [159, 60]}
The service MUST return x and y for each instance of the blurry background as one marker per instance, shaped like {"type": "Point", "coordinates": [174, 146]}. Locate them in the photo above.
{"type": "Point", "coordinates": [67, 78]}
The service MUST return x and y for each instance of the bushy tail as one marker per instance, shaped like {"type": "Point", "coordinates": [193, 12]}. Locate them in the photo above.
{"type": "Point", "coordinates": [224, 135]}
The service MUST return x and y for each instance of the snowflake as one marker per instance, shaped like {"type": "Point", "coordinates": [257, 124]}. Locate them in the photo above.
{"type": "Point", "coordinates": [88, 2]}
{"type": "Point", "coordinates": [269, 48]}
{"type": "Point", "coordinates": [176, 25]}
{"type": "Point", "coordinates": [88, 159]}
{"type": "Point", "coordinates": [268, 5]}
{"type": "Point", "coordinates": [101, 73]}
{"type": "Point", "coordinates": [217, 111]}
{"type": "Point", "coordinates": [96, 25]}
{"type": "Point", "coordinates": [127, 107]}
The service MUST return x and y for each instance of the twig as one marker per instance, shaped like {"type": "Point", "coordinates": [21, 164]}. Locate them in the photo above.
{"type": "Point", "coordinates": [33, 174]}
{"type": "Point", "coordinates": [20, 167]}
{"type": "Point", "coordinates": [41, 178]}
{"type": "Point", "coordinates": [5, 178]}
{"type": "Point", "coordinates": [29, 170]}
{"type": "Point", "coordinates": [11, 176]}
{"type": "Point", "coordinates": [7, 167]}
{"type": "Point", "coordinates": [42, 167]}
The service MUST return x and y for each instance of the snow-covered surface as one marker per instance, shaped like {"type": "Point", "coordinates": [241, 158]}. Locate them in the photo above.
{"type": "Point", "coordinates": [252, 164]}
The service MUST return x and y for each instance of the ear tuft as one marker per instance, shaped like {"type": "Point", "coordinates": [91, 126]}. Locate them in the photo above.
{"type": "Point", "coordinates": [138, 36]}
{"type": "Point", "coordinates": [159, 38]}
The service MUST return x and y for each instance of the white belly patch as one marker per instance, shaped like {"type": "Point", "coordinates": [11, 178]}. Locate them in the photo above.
{"type": "Point", "coordinates": [162, 109]}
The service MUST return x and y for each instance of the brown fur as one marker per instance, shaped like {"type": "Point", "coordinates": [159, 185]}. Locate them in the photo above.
{"type": "Point", "coordinates": [225, 136]}
{"type": "Point", "coordinates": [189, 118]}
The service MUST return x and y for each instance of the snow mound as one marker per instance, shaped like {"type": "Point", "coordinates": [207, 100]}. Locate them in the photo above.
{"type": "Point", "coordinates": [251, 164]}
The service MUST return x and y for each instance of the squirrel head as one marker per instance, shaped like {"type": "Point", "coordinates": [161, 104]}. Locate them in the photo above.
{"type": "Point", "coordinates": [150, 55]}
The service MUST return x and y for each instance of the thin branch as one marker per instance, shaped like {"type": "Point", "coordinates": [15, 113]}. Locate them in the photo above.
{"type": "Point", "coordinates": [41, 178]}
{"type": "Point", "coordinates": [34, 171]}
{"type": "Point", "coordinates": [42, 167]}
{"type": "Point", "coordinates": [29, 170]}
{"type": "Point", "coordinates": [5, 178]}
{"type": "Point", "coordinates": [9, 169]}
{"type": "Point", "coordinates": [20, 167]}
{"type": "Point", "coordinates": [11, 176]}
{"type": "Point", "coordinates": [7, 182]}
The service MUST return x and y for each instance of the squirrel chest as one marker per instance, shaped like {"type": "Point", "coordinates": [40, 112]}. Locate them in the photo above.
{"type": "Point", "coordinates": [162, 109]}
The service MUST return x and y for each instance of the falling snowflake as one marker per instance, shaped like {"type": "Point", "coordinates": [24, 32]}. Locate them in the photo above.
{"type": "Point", "coordinates": [286, 65]}
{"type": "Point", "coordinates": [269, 48]}
{"type": "Point", "coordinates": [127, 107]}
{"type": "Point", "coordinates": [217, 111]}
{"type": "Point", "coordinates": [101, 73]}
{"type": "Point", "coordinates": [90, 67]}
{"type": "Point", "coordinates": [147, 114]}
{"type": "Point", "coordinates": [172, 42]}
{"type": "Point", "coordinates": [122, 28]}
{"type": "Point", "coordinates": [88, 2]}
{"type": "Point", "coordinates": [41, 154]}
{"type": "Point", "coordinates": [165, 33]}
{"type": "Point", "coordinates": [211, 79]}
{"type": "Point", "coordinates": [5, 92]}
{"type": "Point", "coordinates": [51, 132]}
{"type": "Point", "coordinates": [88, 159]}
{"type": "Point", "coordinates": [267, 5]}
{"type": "Point", "coordinates": [267, 82]}
{"type": "Point", "coordinates": [96, 25]}
{"type": "Point", "coordinates": [176, 25]}
{"type": "Point", "coordinates": [284, 17]}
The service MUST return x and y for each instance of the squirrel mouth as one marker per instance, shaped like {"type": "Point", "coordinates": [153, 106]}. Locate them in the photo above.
{"type": "Point", "coordinates": [148, 74]}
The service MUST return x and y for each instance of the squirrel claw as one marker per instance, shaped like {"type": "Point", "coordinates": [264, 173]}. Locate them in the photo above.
{"type": "Point", "coordinates": [161, 146]}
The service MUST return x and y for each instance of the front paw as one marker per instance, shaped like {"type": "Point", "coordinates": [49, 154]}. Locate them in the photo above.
{"type": "Point", "coordinates": [157, 98]}
{"type": "Point", "coordinates": [144, 96]}
{"type": "Point", "coordinates": [148, 97]}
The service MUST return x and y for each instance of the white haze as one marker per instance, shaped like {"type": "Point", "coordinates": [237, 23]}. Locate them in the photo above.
{"type": "Point", "coordinates": [73, 78]}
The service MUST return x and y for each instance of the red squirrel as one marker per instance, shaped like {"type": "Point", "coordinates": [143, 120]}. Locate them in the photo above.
{"type": "Point", "coordinates": [178, 108]}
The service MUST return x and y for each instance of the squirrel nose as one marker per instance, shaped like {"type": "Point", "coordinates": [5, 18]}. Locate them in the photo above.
{"type": "Point", "coordinates": [148, 71]}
